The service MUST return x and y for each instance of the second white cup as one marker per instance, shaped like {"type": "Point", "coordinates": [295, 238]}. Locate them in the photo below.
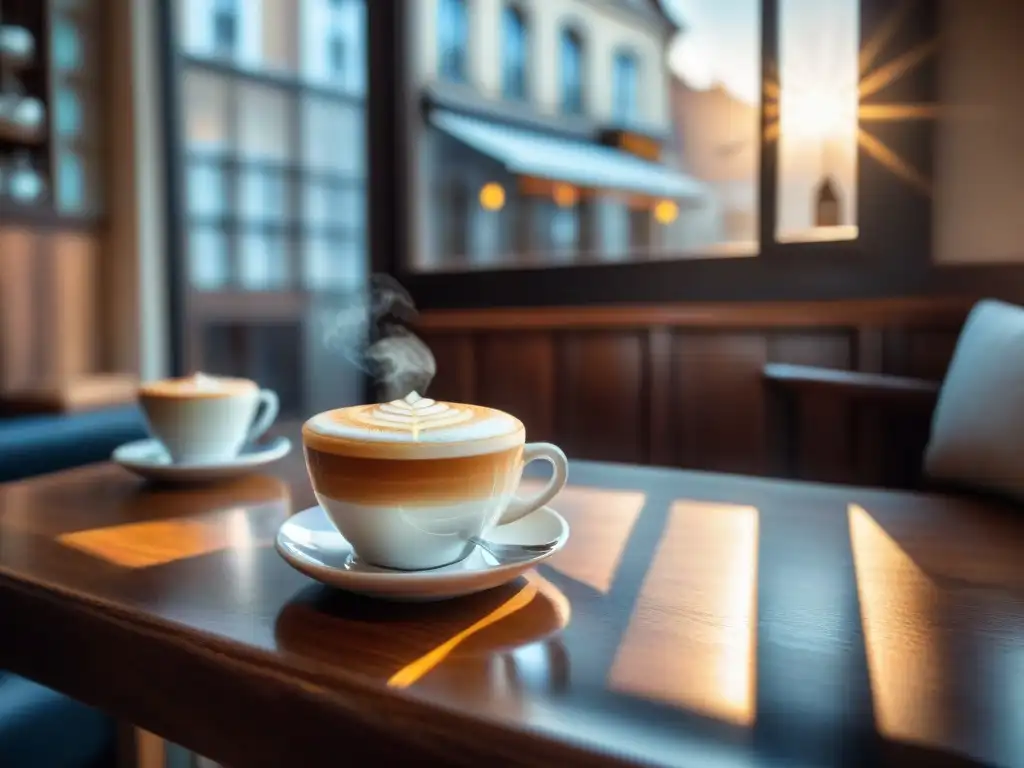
{"type": "Point", "coordinates": [204, 419]}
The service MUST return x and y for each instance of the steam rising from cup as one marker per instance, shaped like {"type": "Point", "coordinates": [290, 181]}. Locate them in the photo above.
{"type": "Point", "coordinates": [371, 332]}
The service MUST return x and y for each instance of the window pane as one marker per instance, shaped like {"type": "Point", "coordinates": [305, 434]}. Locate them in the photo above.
{"type": "Point", "coordinates": [208, 264]}
{"type": "Point", "coordinates": [818, 63]}
{"type": "Point", "coordinates": [572, 73]}
{"type": "Point", "coordinates": [71, 183]}
{"type": "Point", "coordinates": [264, 123]}
{"type": "Point", "coordinates": [207, 191]}
{"type": "Point", "coordinates": [206, 105]}
{"type": "Point", "coordinates": [274, 182]}
{"type": "Point", "coordinates": [264, 194]}
{"type": "Point", "coordinates": [68, 113]}
{"type": "Point", "coordinates": [68, 55]}
{"type": "Point", "coordinates": [453, 39]}
{"type": "Point", "coordinates": [264, 262]}
{"type": "Point", "coordinates": [334, 47]}
{"type": "Point", "coordinates": [515, 54]}
{"type": "Point", "coordinates": [334, 264]}
{"type": "Point", "coordinates": [638, 137]}
{"type": "Point", "coordinates": [625, 107]}
{"type": "Point", "coordinates": [279, 36]}
{"type": "Point", "coordinates": [333, 136]}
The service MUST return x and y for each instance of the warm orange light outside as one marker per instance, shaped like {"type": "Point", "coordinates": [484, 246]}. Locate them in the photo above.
{"type": "Point", "coordinates": [565, 195]}
{"type": "Point", "coordinates": [492, 197]}
{"type": "Point", "coordinates": [666, 211]}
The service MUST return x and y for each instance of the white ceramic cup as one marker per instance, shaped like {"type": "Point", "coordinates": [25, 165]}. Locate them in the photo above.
{"type": "Point", "coordinates": [408, 483]}
{"type": "Point", "coordinates": [206, 419]}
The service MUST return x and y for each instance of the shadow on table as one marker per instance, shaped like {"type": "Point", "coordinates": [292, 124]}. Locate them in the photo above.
{"type": "Point", "coordinates": [469, 642]}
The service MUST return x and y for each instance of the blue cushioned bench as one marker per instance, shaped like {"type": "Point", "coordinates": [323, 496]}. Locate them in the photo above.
{"type": "Point", "coordinates": [40, 728]}
{"type": "Point", "coordinates": [35, 445]}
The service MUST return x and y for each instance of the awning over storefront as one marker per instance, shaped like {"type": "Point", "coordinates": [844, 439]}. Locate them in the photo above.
{"type": "Point", "coordinates": [527, 153]}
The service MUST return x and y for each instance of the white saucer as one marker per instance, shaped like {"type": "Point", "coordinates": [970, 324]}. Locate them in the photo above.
{"type": "Point", "coordinates": [149, 459]}
{"type": "Point", "coordinates": [311, 544]}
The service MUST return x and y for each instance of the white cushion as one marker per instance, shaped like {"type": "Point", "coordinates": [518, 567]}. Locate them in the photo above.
{"type": "Point", "coordinates": [977, 434]}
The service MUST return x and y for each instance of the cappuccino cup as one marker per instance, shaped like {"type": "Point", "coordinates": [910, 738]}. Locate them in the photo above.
{"type": "Point", "coordinates": [409, 482]}
{"type": "Point", "coordinates": [202, 419]}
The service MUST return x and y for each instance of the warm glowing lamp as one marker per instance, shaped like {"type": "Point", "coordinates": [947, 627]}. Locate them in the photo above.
{"type": "Point", "coordinates": [492, 196]}
{"type": "Point", "coordinates": [565, 195]}
{"type": "Point", "coordinates": [666, 211]}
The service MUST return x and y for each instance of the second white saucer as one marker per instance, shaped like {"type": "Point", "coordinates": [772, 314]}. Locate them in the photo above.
{"type": "Point", "coordinates": [149, 459]}
{"type": "Point", "coordinates": [311, 544]}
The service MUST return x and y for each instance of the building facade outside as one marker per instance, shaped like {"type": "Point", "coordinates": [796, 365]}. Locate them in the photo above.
{"type": "Point", "coordinates": [578, 165]}
{"type": "Point", "coordinates": [272, 98]}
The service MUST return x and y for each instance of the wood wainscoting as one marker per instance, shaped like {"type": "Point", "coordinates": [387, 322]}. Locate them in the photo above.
{"type": "Point", "coordinates": [681, 385]}
{"type": "Point", "coordinates": [49, 323]}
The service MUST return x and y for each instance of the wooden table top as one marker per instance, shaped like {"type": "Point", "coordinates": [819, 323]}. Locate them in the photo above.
{"type": "Point", "coordinates": [693, 619]}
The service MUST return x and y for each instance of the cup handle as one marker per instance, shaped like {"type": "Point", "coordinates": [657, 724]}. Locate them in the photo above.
{"type": "Point", "coordinates": [267, 410]}
{"type": "Point", "coordinates": [552, 454]}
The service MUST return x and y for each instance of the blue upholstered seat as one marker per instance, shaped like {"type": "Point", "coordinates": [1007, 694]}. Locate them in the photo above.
{"type": "Point", "coordinates": [40, 728]}
{"type": "Point", "coordinates": [34, 445]}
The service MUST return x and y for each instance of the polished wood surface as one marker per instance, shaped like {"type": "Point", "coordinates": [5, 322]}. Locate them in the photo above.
{"type": "Point", "coordinates": [692, 619]}
{"type": "Point", "coordinates": [682, 384]}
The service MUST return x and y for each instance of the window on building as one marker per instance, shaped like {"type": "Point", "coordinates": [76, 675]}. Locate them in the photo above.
{"type": "Point", "coordinates": [624, 88]}
{"type": "Point", "coordinates": [225, 27]}
{"type": "Point", "coordinates": [273, 181]}
{"type": "Point", "coordinates": [453, 39]}
{"type": "Point", "coordinates": [515, 53]}
{"type": "Point", "coordinates": [336, 54]}
{"type": "Point", "coordinates": [572, 72]}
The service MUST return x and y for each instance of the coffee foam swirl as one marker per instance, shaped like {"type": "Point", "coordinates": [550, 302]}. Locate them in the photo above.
{"type": "Point", "coordinates": [418, 421]}
{"type": "Point", "coordinates": [416, 414]}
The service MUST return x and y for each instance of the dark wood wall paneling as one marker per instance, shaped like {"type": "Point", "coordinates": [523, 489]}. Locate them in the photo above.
{"type": "Point", "coordinates": [682, 385]}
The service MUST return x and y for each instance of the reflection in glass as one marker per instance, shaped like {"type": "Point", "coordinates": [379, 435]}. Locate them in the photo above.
{"type": "Point", "coordinates": [818, 77]}
{"type": "Point", "coordinates": [898, 605]}
{"type": "Point", "coordinates": [692, 637]}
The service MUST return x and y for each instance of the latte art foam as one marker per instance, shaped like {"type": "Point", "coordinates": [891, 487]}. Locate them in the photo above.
{"type": "Point", "coordinates": [415, 413]}
{"type": "Point", "coordinates": [198, 385]}
{"type": "Point", "coordinates": [416, 423]}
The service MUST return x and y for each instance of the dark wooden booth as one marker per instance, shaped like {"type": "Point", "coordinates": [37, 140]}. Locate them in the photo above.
{"type": "Point", "coordinates": [684, 385]}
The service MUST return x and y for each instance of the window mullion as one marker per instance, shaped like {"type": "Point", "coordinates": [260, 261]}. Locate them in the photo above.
{"type": "Point", "coordinates": [769, 165]}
